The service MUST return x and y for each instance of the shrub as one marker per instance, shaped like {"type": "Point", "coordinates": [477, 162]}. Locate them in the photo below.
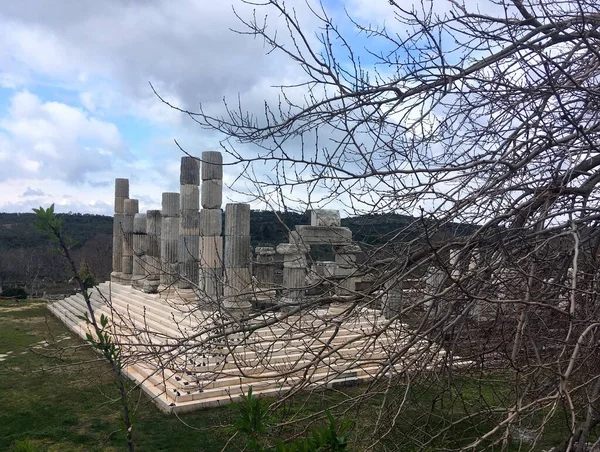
{"type": "Point", "coordinates": [24, 446]}
{"type": "Point", "coordinates": [15, 292]}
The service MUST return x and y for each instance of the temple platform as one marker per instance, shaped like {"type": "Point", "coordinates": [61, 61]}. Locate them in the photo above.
{"type": "Point", "coordinates": [187, 358]}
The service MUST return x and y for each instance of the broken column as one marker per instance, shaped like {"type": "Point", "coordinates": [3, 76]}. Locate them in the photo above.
{"type": "Point", "coordinates": [392, 299]}
{"type": "Point", "coordinates": [295, 269]}
{"type": "Point", "coordinates": [326, 228]}
{"type": "Point", "coordinates": [140, 248]}
{"type": "Point", "coordinates": [237, 285]}
{"type": "Point", "coordinates": [345, 268]}
{"type": "Point", "coordinates": [153, 234]}
{"type": "Point", "coordinates": [189, 223]}
{"type": "Point", "coordinates": [121, 194]}
{"type": "Point", "coordinates": [211, 226]}
{"type": "Point", "coordinates": [264, 266]}
{"type": "Point", "coordinates": [169, 239]}
{"type": "Point", "coordinates": [131, 207]}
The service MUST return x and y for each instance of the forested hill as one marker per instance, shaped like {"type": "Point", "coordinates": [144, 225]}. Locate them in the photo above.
{"type": "Point", "coordinates": [17, 230]}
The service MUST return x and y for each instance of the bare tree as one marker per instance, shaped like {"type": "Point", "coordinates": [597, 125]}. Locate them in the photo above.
{"type": "Point", "coordinates": [487, 116]}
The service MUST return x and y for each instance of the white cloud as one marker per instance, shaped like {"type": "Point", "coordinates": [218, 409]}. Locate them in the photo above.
{"type": "Point", "coordinates": [58, 140]}
{"type": "Point", "coordinates": [79, 71]}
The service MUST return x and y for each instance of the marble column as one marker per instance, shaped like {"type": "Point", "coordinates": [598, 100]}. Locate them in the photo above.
{"type": "Point", "coordinates": [295, 267]}
{"type": "Point", "coordinates": [264, 267]}
{"type": "Point", "coordinates": [237, 285]}
{"type": "Point", "coordinates": [121, 194]}
{"type": "Point", "coordinates": [153, 233]}
{"type": "Point", "coordinates": [189, 223]}
{"type": "Point", "coordinates": [169, 240]}
{"type": "Point", "coordinates": [140, 248]}
{"type": "Point", "coordinates": [345, 271]}
{"type": "Point", "coordinates": [211, 227]}
{"type": "Point", "coordinates": [131, 207]}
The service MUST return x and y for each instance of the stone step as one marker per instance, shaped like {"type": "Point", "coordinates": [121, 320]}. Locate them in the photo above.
{"type": "Point", "coordinates": [162, 312]}
{"type": "Point", "coordinates": [216, 372]}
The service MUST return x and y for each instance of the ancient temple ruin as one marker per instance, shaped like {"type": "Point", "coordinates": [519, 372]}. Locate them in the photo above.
{"type": "Point", "coordinates": [187, 292]}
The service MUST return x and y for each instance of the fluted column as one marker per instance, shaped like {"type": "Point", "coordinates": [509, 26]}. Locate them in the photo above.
{"type": "Point", "coordinates": [237, 288]}
{"type": "Point", "coordinates": [169, 239]}
{"type": "Point", "coordinates": [294, 271]}
{"type": "Point", "coordinates": [131, 207]}
{"type": "Point", "coordinates": [264, 267]}
{"type": "Point", "coordinates": [345, 270]}
{"type": "Point", "coordinates": [153, 233]}
{"type": "Point", "coordinates": [211, 225]}
{"type": "Point", "coordinates": [189, 223]}
{"type": "Point", "coordinates": [140, 249]}
{"type": "Point", "coordinates": [121, 194]}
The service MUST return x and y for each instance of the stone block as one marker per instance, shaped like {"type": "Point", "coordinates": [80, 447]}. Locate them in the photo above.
{"type": "Point", "coordinates": [325, 217]}
{"type": "Point", "coordinates": [117, 256]}
{"type": "Point", "coordinates": [170, 228]}
{"type": "Point", "coordinates": [325, 269]}
{"type": "Point", "coordinates": [153, 222]}
{"type": "Point", "coordinates": [189, 198]}
{"type": "Point", "coordinates": [237, 283]}
{"type": "Point", "coordinates": [139, 223]}
{"type": "Point", "coordinates": [120, 204]}
{"type": "Point", "coordinates": [131, 206]}
{"type": "Point", "coordinates": [295, 261]}
{"type": "Point", "coordinates": [212, 194]}
{"type": "Point", "coordinates": [237, 219]}
{"type": "Point", "coordinates": [152, 266]}
{"type": "Point", "coordinates": [264, 251]}
{"type": "Point", "coordinates": [292, 248]}
{"type": "Point", "coordinates": [140, 244]}
{"type": "Point", "coordinates": [188, 248]}
{"type": "Point", "coordinates": [169, 274]}
{"type": "Point", "coordinates": [342, 271]}
{"type": "Point", "coordinates": [188, 275]}
{"type": "Point", "coordinates": [211, 222]}
{"type": "Point", "coordinates": [150, 286]}
{"type": "Point", "coordinates": [139, 266]}
{"type": "Point", "coordinates": [348, 260]}
{"type": "Point", "coordinates": [170, 204]}
{"type": "Point", "coordinates": [189, 222]}
{"type": "Point", "coordinates": [212, 282]}
{"type": "Point", "coordinates": [169, 251]}
{"type": "Point", "coordinates": [153, 245]}
{"type": "Point", "coordinates": [265, 274]}
{"type": "Point", "coordinates": [237, 251]}
{"type": "Point", "coordinates": [122, 188]}
{"type": "Point", "coordinates": [127, 265]}
{"type": "Point", "coordinates": [117, 221]}
{"type": "Point", "coordinates": [127, 224]}
{"type": "Point", "coordinates": [189, 171]}
{"type": "Point", "coordinates": [294, 280]}
{"type": "Point", "coordinates": [212, 165]}
{"type": "Point", "coordinates": [346, 249]}
{"type": "Point", "coordinates": [322, 235]}
{"type": "Point", "coordinates": [210, 253]}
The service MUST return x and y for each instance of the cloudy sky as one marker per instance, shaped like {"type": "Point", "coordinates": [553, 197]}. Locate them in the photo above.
{"type": "Point", "coordinates": [76, 109]}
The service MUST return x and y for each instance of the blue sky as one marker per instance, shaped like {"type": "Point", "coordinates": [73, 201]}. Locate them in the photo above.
{"type": "Point", "coordinates": [76, 110]}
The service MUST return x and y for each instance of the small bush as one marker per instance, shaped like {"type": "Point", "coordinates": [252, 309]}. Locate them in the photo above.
{"type": "Point", "coordinates": [24, 446]}
{"type": "Point", "coordinates": [16, 292]}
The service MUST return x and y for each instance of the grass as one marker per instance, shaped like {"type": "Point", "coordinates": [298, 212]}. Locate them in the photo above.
{"type": "Point", "coordinates": [56, 395]}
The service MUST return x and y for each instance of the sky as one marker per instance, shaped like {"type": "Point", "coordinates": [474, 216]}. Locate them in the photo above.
{"type": "Point", "coordinates": [76, 107]}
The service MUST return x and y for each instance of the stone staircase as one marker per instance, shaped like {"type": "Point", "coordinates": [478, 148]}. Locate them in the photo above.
{"type": "Point", "coordinates": [178, 354]}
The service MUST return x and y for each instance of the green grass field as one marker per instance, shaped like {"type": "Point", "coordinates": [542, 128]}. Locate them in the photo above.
{"type": "Point", "coordinates": [58, 395]}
